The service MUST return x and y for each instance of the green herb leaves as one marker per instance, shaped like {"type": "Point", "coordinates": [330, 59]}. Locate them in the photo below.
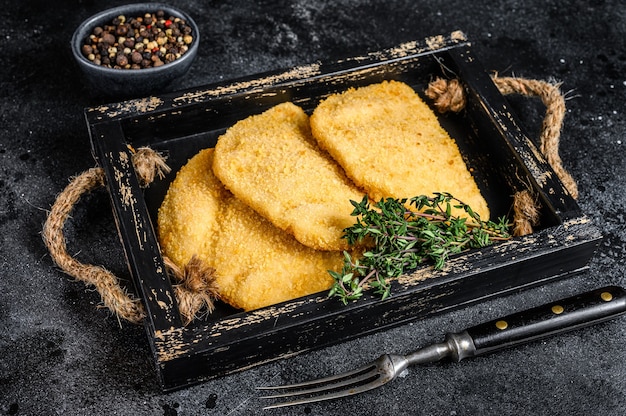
{"type": "Point", "coordinates": [403, 236]}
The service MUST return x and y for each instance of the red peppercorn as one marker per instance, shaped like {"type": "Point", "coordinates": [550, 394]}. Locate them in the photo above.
{"type": "Point", "coordinates": [168, 23]}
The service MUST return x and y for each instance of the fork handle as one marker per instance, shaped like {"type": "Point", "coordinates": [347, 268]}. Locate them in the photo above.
{"type": "Point", "coordinates": [543, 321]}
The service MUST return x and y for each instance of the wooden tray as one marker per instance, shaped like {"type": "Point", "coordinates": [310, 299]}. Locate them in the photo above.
{"type": "Point", "coordinates": [503, 158]}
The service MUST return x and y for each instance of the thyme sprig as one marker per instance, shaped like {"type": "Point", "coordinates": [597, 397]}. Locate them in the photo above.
{"type": "Point", "coordinates": [404, 236]}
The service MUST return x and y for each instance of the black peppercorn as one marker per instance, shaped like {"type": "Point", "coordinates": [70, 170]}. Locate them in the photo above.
{"type": "Point", "coordinates": [139, 42]}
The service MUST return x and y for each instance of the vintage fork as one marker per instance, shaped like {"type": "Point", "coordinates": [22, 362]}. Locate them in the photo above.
{"type": "Point", "coordinates": [529, 325]}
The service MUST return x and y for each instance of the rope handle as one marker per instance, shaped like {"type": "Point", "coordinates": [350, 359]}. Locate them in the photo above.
{"type": "Point", "coordinates": [449, 95]}
{"type": "Point", "coordinates": [195, 289]}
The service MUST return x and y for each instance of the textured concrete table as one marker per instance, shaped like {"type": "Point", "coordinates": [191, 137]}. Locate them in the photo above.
{"type": "Point", "coordinates": [60, 354]}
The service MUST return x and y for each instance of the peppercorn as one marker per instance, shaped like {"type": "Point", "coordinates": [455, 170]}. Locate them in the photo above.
{"type": "Point", "coordinates": [121, 30]}
{"type": "Point", "coordinates": [170, 57]}
{"type": "Point", "coordinates": [121, 60]}
{"type": "Point", "coordinates": [129, 43]}
{"type": "Point", "coordinates": [87, 50]}
{"type": "Point", "coordinates": [151, 40]}
{"type": "Point", "coordinates": [136, 57]}
{"type": "Point", "coordinates": [108, 39]}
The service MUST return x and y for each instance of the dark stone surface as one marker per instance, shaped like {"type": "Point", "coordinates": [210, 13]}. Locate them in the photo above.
{"type": "Point", "coordinates": [60, 354]}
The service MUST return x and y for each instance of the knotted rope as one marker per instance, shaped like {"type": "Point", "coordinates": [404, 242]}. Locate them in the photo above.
{"type": "Point", "coordinates": [195, 288]}
{"type": "Point", "coordinates": [449, 95]}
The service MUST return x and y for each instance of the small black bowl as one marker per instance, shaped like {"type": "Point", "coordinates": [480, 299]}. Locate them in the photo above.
{"type": "Point", "coordinates": [125, 83]}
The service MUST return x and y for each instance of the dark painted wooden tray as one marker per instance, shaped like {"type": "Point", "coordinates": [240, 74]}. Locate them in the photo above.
{"type": "Point", "coordinates": [503, 158]}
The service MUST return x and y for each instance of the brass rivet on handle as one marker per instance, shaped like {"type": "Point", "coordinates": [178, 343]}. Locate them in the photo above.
{"type": "Point", "coordinates": [502, 325]}
{"type": "Point", "coordinates": [557, 309]}
{"type": "Point", "coordinates": [606, 296]}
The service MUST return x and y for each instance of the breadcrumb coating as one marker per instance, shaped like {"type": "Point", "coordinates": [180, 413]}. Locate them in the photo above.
{"type": "Point", "coordinates": [272, 163]}
{"type": "Point", "coordinates": [256, 264]}
{"type": "Point", "coordinates": [390, 143]}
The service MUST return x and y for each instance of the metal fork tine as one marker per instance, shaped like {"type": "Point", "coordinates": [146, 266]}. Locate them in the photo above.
{"type": "Point", "coordinates": [368, 377]}
{"type": "Point", "coordinates": [335, 395]}
{"type": "Point", "coordinates": [324, 387]}
{"type": "Point", "coordinates": [325, 380]}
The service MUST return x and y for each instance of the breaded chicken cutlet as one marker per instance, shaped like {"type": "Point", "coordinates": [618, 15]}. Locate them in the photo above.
{"type": "Point", "coordinates": [277, 234]}
{"type": "Point", "coordinates": [256, 264]}
{"type": "Point", "coordinates": [272, 163]}
{"type": "Point", "coordinates": [391, 144]}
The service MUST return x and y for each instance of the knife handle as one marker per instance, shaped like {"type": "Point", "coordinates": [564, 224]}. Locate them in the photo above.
{"type": "Point", "coordinates": [543, 321]}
